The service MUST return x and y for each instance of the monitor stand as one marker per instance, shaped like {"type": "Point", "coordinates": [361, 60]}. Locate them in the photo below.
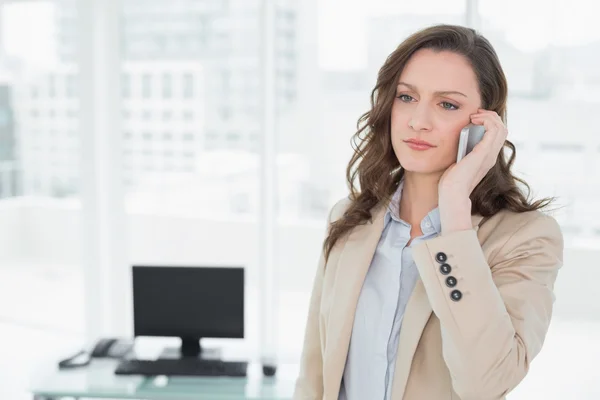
{"type": "Point", "coordinates": [190, 347]}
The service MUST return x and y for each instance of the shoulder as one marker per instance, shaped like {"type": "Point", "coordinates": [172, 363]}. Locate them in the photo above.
{"type": "Point", "coordinates": [339, 208]}
{"type": "Point", "coordinates": [532, 229]}
{"type": "Point", "coordinates": [530, 221]}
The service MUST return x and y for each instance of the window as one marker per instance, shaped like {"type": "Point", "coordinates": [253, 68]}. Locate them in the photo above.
{"type": "Point", "coordinates": [39, 85]}
{"type": "Point", "coordinates": [188, 85]}
{"type": "Point", "coordinates": [146, 86]}
{"type": "Point", "coordinates": [225, 113]}
{"type": "Point", "coordinates": [167, 86]}
{"type": "Point", "coordinates": [233, 137]}
{"type": "Point", "coordinates": [126, 85]}
{"type": "Point", "coordinates": [562, 147]}
{"type": "Point", "coordinates": [71, 88]}
{"type": "Point", "coordinates": [52, 86]}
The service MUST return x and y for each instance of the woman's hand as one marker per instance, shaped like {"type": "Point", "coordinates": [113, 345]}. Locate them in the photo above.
{"type": "Point", "coordinates": [459, 180]}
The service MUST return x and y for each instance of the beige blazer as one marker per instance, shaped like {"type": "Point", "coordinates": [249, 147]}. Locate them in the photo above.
{"type": "Point", "coordinates": [477, 348]}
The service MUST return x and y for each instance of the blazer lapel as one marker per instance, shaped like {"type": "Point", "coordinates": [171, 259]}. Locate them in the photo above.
{"type": "Point", "coordinates": [350, 274]}
{"type": "Point", "coordinates": [417, 313]}
{"type": "Point", "coordinates": [476, 220]}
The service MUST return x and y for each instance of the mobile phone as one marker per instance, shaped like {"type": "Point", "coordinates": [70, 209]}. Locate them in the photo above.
{"type": "Point", "coordinates": [470, 135]}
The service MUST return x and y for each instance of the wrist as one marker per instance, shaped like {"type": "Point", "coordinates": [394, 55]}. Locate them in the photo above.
{"type": "Point", "coordinates": [455, 215]}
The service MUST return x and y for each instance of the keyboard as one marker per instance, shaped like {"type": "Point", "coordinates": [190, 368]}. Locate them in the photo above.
{"type": "Point", "coordinates": [181, 367]}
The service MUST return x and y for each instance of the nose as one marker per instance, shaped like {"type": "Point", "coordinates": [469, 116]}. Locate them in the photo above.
{"type": "Point", "coordinates": [420, 120]}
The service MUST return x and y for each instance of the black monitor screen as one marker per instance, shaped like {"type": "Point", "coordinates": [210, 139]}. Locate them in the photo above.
{"type": "Point", "coordinates": [192, 302]}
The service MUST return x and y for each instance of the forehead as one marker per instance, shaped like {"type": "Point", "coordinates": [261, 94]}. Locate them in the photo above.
{"type": "Point", "coordinates": [431, 71]}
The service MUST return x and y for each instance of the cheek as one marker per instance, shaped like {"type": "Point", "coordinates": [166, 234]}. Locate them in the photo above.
{"type": "Point", "coordinates": [453, 136]}
{"type": "Point", "coordinates": [450, 142]}
{"type": "Point", "coordinates": [452, 129]}
{"type": "Point", "coordinates": [447, 141]}
{"type": "Point", "coordinates": [398, 118]}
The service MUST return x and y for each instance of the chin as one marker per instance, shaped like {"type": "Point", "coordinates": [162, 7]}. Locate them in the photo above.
{"type": "Point", "coordinates": [421, 170]}
{"type": "Point", "coordinates": [421, 165]}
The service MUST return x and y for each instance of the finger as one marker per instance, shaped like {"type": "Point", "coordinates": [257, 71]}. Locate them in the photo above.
{"type": "Point", "coordinates": [489, 116]}
{"type": "Point", "coordinates": [493, 117]}
{"type": "Point", "coordinates": [489, 112]}
{"type": "Point", "coordinates": [490, 124]}
{"type": "Point", "coordinates": [495, 134]}
{"type": "Point", "coordinates": [490, 147]}
{"type": "Point", "coordinates": [494, 138]}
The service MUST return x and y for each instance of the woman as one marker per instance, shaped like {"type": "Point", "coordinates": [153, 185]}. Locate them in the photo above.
{"type": "Point", "coordinates": [436, 279]}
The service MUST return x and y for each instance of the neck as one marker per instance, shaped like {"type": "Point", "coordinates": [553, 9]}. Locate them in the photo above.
{"type": "Point", "coordinates": [419, 196]}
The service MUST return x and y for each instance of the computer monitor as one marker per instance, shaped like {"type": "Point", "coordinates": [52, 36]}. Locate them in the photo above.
{"type": "Point", "coordinates": [188, 302]}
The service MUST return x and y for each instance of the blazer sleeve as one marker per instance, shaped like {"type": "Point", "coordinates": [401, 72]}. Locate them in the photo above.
{"type": "Point", "coordinates": [496, 325]}
{"type": "Point", "coordinates": [309, 385]}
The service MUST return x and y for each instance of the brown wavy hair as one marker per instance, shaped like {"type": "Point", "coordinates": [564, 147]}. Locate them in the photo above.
{"type": "Point", "coordinates": [374, 164]}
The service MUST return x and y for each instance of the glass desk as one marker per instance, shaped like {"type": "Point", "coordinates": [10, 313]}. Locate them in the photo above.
{"type": "Point", "coordinates": [98, 381]}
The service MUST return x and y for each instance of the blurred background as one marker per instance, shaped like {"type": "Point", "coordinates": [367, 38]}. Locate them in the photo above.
{"type": "Point", "coordinates": [168, 132]}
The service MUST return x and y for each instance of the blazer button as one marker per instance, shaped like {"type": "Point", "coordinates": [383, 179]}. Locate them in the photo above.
{"type": "Point", "coordinates": [445, 269]}
{"type": "Point", "coordinates": [450, 281]}
{"type": "Point", "coordinates": [441, 257]}
{"type": "Point", "coordinates": [456, 295]}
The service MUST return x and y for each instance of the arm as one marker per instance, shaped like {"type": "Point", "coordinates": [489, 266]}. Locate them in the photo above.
{"type": "Point", "coordinates": [309, 385]}
{"type": "Point", "coordinates": [491, 335]}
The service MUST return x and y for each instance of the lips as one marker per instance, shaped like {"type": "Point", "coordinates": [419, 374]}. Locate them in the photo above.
{"type": "Point", "coordinates": [418, 145]}
{"type": "Point", "coordinates": [417, 142]}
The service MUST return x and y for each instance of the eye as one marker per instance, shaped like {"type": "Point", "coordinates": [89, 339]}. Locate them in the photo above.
{"type": "Point", "coordinates": [448, 106]}
{"type": "Point", "coordinates": [405, 98]}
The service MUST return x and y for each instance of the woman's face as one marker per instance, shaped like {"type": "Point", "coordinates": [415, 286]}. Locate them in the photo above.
{"type": "Point", "coordinates": [436, 94]}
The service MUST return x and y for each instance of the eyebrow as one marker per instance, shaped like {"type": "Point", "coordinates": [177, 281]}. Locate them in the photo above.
{"type": "Point", "coordinates": [440, 93]}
